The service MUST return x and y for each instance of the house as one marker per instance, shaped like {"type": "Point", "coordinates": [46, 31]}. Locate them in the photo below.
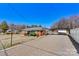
{"type": "Point", "coordinates": [34, 31]}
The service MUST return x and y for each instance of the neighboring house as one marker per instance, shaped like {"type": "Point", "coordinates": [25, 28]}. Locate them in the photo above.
{"type": "Point", "coordinates": [12, 31]}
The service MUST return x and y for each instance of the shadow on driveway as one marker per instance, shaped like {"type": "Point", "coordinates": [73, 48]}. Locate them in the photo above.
{"type": "Point", "coordinates": [76, 45]}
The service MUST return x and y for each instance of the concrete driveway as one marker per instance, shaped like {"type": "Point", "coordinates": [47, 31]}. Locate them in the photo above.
{"type": "Point", "coordinates": [49, 45]}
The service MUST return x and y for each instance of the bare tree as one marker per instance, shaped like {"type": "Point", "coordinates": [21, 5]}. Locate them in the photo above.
{"type": "Point", "coordinates": [69, 23]}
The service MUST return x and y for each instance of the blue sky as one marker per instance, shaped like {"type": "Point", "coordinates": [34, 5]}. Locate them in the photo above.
{"type": "Point", "coordinates": [44, 14]}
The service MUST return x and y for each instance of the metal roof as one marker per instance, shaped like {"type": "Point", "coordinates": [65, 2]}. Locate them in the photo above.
{"type": "Point", "coordinates": [34, 28]}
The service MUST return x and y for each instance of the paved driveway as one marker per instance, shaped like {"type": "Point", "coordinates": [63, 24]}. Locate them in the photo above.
{"type": "Point", "coordinates": [44, 46]}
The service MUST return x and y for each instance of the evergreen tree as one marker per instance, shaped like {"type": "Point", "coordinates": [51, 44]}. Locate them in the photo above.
{"type": "Point", "coordinates": [4, 26]}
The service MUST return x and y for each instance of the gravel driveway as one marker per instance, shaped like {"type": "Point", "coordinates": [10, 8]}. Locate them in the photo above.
{"type": "Point", "coordinates": [49, 45]}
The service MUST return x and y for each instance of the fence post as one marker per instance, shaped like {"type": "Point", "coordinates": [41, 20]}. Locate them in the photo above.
{"type": "Point", "coordinates": [11, 37]}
